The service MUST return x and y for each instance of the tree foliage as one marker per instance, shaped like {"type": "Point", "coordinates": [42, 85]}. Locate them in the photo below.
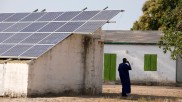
{"type": "Point", "coordinates": [166, 16]}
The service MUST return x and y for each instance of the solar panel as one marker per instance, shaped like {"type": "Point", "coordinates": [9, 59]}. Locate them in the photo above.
{"type": "Point", "coordinates": [4, 16]}
{"type": "Point", "coordinates": [17, 38]}
{"type": "Point", "coordinates": [4, 48]}
{"type": "Point", "coordinates": [4, 26]}
{"type": "Point", "coordinates": [51, 27]}
{"type": "Point", "coordinates": [106, 15]}
{"type": "Point", "coordinates": [90, 26]}
{"type": "Point", "coordinates": [34, 27]}
{"type": "Point", "coordinates": [70, 27]}
{"type": "Point", "coordinates": [86, 15]}
{"type": "Point", "coordinates": [4, 36]}
{"type": "Point", "coordinates": [67, 16]}
{"type": "Point", "coordinates": [16, 17]}
{"type": "Point", "coordinates": [29, 35]}
{"type": "Point", "coordinates": [33, 16]}
{"type": "Point", "coordinates": [35, 38]}
{"type": "Point", "coordinates": [17, 27]}
{"type": "Point", "coordinates": [50, 16]}
{"type": "Point", "coordinates": [36, 51]}
{"type": "Point", "coordinates": [16, 50]}
{"type": "Point", "coordinates": [54, 38]}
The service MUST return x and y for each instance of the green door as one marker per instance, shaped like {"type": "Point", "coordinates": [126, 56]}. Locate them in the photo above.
{"type": "Point", "coordinates": [110, 67]}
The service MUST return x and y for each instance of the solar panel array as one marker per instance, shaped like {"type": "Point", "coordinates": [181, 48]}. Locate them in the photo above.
{"type": "Point", "coordinates": [29, 35]}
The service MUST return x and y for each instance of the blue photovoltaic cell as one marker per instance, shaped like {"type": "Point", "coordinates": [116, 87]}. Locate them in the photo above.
{"type": "Point", "coordinates": [4, 16]}
{"type": "Point", "coordinates": [106, 15]}
{"type": "Point", "coordinates": [51, 27]}
{"type": "Point", "coordinates": [70, 27]}
{"type": "Point", "coordinates": [35, 38]}
{"type": "Point", "coordinates": [50, 16]}
{"type": "Point", "coordinates": [17, 27]}
{"type": "Point", "coordinates": [90, 26]}
{"type": "Point", "coordinates": [54, 38]}
{"type": "Point", "coordinates": [33, 16]}
{"type": "Point", "coordinates": [67, 16]}
{"type": "Point", "coordinates": [18, 37]}
{"type": "Point", "coordinates": [4, 26]}
{"type": "Point", "coordinates": [16, 17]}
{"type": "Point", "coordinates": [34, 27]}
{"type": "Point", "coordinates": [31, 39]}
{"type": "Point", "coordinates": [36, 51]}
{"type": "Point", "coordinates": [4, 36]}
{"type": "Point", "coordinates": [4, 48]}
{"type": "Point", "coordinates": [17, 50]}
{"type": "Point", "coordinates": [86, 15]}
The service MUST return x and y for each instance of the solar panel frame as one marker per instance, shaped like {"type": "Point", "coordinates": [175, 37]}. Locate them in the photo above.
{"type": "Point", "coordinates": [67, 16]}
{"type": "Point", "coordinates": [35, 38]}
{"type": "Point", "coordinates": [33, 17]}
{"type": "Point", "coordinates": [34, 27]}
{"type": "Point", "coordinates": [4, 47]}
{"type": "Point", "coordinates": [4, 16]}
{"type": "Point", "coordinates": [85, 15]}
{"type": "Point", "coordinates": [36, 51]}
{"type": "Point", "coordinates": [16, 17]}
{"type": "Point", "coordinates": [54, 38]}
{"type": "Point", "coordinates": [4, 26]}
{"type": "Point", "coordinates": [17, 38]}
{"type": "Point", "coordinates": [51, 27]}
{"type": "Point", "coordinates": [17, 27]}
{"type": "Point", "coordinates": [16, 50]}
{"type": "Point", "coordinates": [106, 15]}
{"type": "Point", "coordinates": [90, 26]}
{"type": "Point", "coordinates": [79, 21]}
{"type": "Point", "coordinates": [70, 27]}
{"type": "Point", "coordinates": [50, 16]}
{"type": "Point", "coordinates": [5, 36]}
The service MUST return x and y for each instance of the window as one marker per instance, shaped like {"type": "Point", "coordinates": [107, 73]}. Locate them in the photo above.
{"type": "Point", "coordinates": [150, 62]}
{"type": "Point", "coordinates": [110, 67]}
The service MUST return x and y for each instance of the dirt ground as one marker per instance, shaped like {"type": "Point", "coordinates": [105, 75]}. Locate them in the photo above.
{"type": "Point", "coordinates": [111, 93]}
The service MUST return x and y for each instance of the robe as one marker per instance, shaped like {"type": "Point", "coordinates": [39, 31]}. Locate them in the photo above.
{"type": "Point", "coordinates": [124, 77]}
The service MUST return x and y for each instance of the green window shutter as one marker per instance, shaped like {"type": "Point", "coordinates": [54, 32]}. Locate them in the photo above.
{"type": "Point", "coordinates": [113, 67]}
{"type": "Point", "coordinates": [147, 62]}
{"type": "Point", "coordinates": [153, 65]}
{"type": "Point", "coordinates": [106, 66]}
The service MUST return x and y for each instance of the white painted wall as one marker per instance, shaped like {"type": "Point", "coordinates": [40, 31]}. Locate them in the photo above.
{"type": "Point", "coordinates": [65, 68]}
{"type": "Point", "coordinates": [15, 79]}
{"type": "Point", "coordinates": [1, 79]}
{"type": "Point", "coordinates": [94, 65]}
{"type": "Point", "coordinates": [59, 70]}
{"type": "Point", "coordinates": [166, 68]}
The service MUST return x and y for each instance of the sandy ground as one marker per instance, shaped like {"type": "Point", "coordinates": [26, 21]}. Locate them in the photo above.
{"type": "Point", "coordinates": [111, 93]}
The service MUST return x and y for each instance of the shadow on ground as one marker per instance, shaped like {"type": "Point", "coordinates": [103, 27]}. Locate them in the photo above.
{"type": "Point", "coordinates": [115, 96]}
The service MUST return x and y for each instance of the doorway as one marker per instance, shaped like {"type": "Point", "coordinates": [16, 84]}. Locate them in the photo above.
{"type": "Point", "coordinates": [109, 67]}
{"type": "Point", "coordinates": [179, 70]}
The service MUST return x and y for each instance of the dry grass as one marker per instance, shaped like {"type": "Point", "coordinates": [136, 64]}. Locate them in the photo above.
{"type": "Point", "coordinates": [111, 93]}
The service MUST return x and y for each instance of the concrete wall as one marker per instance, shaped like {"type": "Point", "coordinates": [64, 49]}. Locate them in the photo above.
{"type": "Point", "coordinates": [166, 68]}
{"type": "Point", "coordinates": [94, 65]}
{"type": "Point", "coordinates": [1, 79]}
{"type": "Point", "coordinates": [71, 66]}
{"type": "Point", "coordinates": [15, 78]}
{"type": "Point", "coordinates": [179, 70]}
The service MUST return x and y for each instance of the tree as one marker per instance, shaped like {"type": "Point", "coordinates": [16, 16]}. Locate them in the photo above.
{"type": "Point", "coordinates": [166, 16]}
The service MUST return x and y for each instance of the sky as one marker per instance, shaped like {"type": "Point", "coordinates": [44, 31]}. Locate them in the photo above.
{"type": "Point", "coordinates": [124, 20]}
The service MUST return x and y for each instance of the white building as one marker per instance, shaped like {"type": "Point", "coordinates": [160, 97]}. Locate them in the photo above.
{"type": "Point", "coordinates": [149, 63]}
{"type": "Point", "coordinates": [73, 65]}
{"type": "Point", "coordinates": [52, 52]}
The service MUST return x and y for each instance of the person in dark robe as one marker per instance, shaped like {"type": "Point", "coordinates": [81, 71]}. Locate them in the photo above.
{"type": "Point", "coordinates": [124, 77]}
